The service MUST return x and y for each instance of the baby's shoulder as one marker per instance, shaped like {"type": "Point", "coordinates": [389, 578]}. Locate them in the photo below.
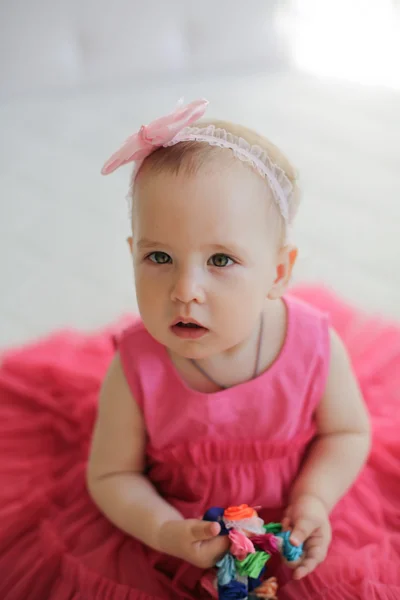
{"type": "Point", "coordinates": [135, 335]}
{"type": "Point", "coordinates": [308, 334]}
{"type": "Point", "coordinates": [305, 318]}
{"type": "Point", "coordinates": [138, 350]}
{"type": "Point", "coordinates": [133, 327]}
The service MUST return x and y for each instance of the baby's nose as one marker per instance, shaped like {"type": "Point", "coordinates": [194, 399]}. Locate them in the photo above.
{"type": "Point", "coordinates": [188, 287]}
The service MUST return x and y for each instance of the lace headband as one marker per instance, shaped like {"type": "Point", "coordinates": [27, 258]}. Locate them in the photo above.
{"type": "Point", "coordinates": [175, 127]}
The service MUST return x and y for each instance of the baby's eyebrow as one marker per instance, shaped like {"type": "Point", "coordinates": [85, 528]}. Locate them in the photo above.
{"type": "Point", "coordinates": [229, 248]}
{"type": "Point", "coordinates": [144, 243]}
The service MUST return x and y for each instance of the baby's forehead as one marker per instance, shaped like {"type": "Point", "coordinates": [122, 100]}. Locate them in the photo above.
{"type": "Point", "coordinates": [220, 200]}
{"type": "Point", "coordinates": [225, 180]}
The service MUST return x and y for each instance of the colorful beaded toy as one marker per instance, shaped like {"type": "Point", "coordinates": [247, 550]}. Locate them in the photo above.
{"type": "Point", "coordinates": [241, 573]}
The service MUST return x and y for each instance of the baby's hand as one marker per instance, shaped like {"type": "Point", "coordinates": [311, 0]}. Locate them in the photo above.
{"type": "Point", "coordinates": [309, 521]}
{"type": "Point", "coordinates": [195, 541]}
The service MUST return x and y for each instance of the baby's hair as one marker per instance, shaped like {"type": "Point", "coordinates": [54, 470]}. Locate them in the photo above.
{"type": "Point", "coordinates": [190, 156]}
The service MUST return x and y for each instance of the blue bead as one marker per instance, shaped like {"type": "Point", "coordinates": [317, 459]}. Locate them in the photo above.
{"type": "Point", "coordinates": [216, 514]}
{"type": "Point", "coordinates": [226, 570]}
{"type": "Point", "coordinates": [290, 552]}
{"type": "Point", "coordinates": [254, 583]}
{"type": "Point", "coordinates": [235, 590]}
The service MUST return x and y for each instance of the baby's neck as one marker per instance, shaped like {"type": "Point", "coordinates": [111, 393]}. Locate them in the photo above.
{"type": "Point", "coordinates": [238, 364]}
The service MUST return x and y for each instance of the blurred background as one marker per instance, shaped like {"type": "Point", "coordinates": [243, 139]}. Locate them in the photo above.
{"type": "Point", "coordinates": [320, 78]}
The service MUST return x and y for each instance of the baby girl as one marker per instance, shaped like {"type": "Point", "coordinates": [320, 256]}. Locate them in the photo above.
{"type": "Point", "coordinates": [228, 390]}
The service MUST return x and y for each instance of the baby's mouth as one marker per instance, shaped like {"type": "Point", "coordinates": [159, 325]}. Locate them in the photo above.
{"type": "Point", "coordinates": [188, 329]}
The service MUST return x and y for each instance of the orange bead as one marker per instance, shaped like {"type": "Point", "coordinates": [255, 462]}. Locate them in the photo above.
{"type": "Point", "coordinates": [268, 589]}
{"type": "Point", "coordinates": [237, 513]}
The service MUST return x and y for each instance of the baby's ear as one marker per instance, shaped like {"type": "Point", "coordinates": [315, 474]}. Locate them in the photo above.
{"type": "Point", "coordinates": [285, 263]}
{"type": "Point", "coordinates": [130, 243]}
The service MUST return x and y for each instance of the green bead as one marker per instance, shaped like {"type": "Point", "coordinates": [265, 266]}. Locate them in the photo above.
{"type": "Point", "coordinates": [253, 564]}
{"type": "Point", "coordinates": [272, 528]}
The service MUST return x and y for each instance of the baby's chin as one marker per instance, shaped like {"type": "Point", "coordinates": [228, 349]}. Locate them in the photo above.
{"type": "Point", "coordinates": [192, 349]}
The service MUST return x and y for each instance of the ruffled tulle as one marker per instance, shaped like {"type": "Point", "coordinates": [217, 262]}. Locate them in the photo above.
{"type": "Point", "coordinates": [55, 544]}
{"type": "Point", "coordinates": [53, 540]}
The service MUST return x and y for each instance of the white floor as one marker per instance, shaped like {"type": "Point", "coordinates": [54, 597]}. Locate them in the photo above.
{"type": "Point", "coordinates": [64, 260]}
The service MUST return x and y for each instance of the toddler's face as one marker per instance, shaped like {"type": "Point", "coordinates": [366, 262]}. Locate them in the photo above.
{"type": "Point", "coordinates": [204, 250]}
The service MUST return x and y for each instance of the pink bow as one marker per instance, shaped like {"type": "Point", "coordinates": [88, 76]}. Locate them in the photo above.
{"type": "Point", "coordinates": [156, 134]}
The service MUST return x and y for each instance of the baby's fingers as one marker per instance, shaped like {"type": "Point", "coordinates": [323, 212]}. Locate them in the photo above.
{"type": "Point", "coordinates": [204, 530]}
{"type": "Point", "coordinates": [307, 566]}
{"type": "Point", "coordinates": [302, 530]}
{"type": "Point", "coordinates": [209, 552]}
{"type": "Point", "coordinates": [217, 548]}
{"type": "Point", "coordinates": [315, 553]}
{"type": "Point", "coordinates": [286, 523]}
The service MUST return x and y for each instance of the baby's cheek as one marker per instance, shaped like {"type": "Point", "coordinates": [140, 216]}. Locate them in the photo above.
{"type": "Point", "coordinates": [149, 293]}
{"type": "Point", "coordinates": [146, 279]}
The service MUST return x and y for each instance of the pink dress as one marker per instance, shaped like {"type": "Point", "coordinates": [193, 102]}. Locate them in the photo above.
{"type": "Point", "coordinates": [242, 445]}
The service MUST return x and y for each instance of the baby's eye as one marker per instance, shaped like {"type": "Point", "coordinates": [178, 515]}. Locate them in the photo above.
{"type": "Point", "coordinates": [220, 260]}
{"type": "Point", "coordinates": [160, 258]}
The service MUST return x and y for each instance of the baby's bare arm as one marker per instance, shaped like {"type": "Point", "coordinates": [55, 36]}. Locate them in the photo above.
{"type": "Point", "coordinates": [334, 460]}
{"type": "Point", "coordinates": [115, 476]}
{"type": "Point", "coordinates": [124, 494]}
{"type": "Point", "coordinates": [343, 438]}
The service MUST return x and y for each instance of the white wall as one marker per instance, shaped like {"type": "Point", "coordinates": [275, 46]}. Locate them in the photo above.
{"type": "Point", "coordinates": [77, 77]}
{"type": "Point", "coordinates": [69, 43]}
